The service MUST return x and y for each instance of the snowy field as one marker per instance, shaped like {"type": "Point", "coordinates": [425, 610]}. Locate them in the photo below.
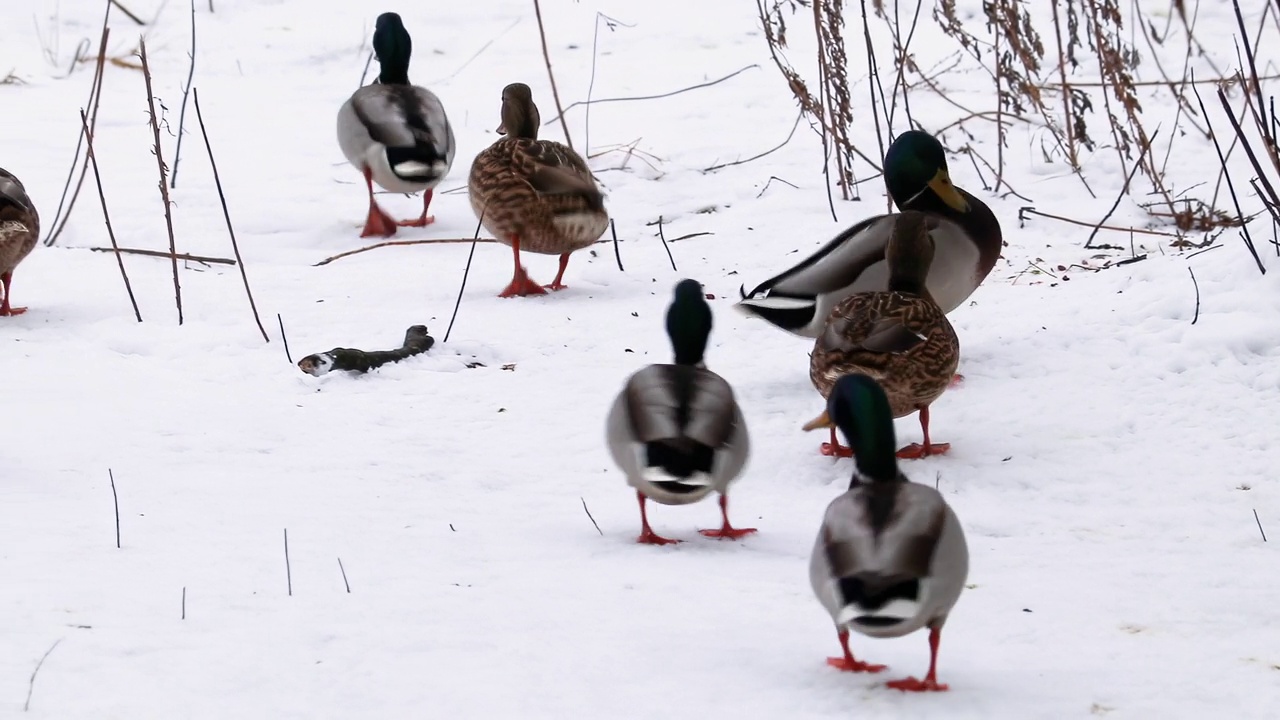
{"type": "Point", "coordinates": [1108, 454]}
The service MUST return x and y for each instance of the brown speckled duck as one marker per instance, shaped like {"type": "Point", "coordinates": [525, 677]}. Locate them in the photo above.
{"type": "Point", "coordinates": [19, 228]}
{"type": "Point", "coordinates": [534, 195]}
{"type": "Point", "coordinates": [900, 337]}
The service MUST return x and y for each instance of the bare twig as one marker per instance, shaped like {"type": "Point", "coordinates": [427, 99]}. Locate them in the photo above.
{"type": "Point", "coordinates": [182, 114]}
{"type": "Point", "coordinates": [344, 576]}
{"type": "Point", "coordinates": [592, 519]}
{"type": "Point", "coordinates": [365, 73]}
{"type": "Point", "coordinates": [398, 243]}
{"type": "Point", "coordinates": [128, 14]}
{"type": "Point", "coordinates": [1235, 199]}
{"type": "Point", "coordinates": [555, 92]}
{"type": "Point", "coordinates": [164, 187]}
{"type": "Point", "coordinates": [115, 500]}
{"type": "Point", "coordinates": [226, 214]}
{"type": "Point", "coordinates": [31, 682]}
{"type": "Point", "coordinates": [161, 254]}
{"type": "Point", "coordinates": [612, 24]}
{"type": "Point", "coordinates": [662, 236]}
{"type": "Point", "coordinates": [106, 215]}
{"type": "Point", "coordinates": [1141, 231]}
{"type": "Point", "coordinates": [1123, 190]}
{"type": "Point", "coordinates": [774, 149]}
{"type": "Point", "coordinates": [1196, 285]}
{"type": "Point", "coordinates": [184, 602]}
{"type": "Point", "coordinates": [284, 339]}
{"type": "Point", "coordinates": [659, 96]}
{"type": "Point", "coordinates": [1255, 519]}
{"type": "Point", "coordinates": [617, 254]}
{"type": "Point", "coordinates": [465, 272]}
{"type": "Point", "coordinates": [95, 96]}
{"type": "Point", "coordinates": [288, 571]}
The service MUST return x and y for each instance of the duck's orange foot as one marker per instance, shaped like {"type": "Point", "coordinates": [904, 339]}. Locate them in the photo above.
{"type": "Point", "coordinates": [557, 285]}
{"type": "Point", "coordinates": [379, 224]}
{"type": "Point", "coordinates": [649, 537]}
{"type": "Point", "coordinates": [422, 221]}
{"type": "Point", "coordinates": [850, 665]}
{"type": "Point", "coordinates": [915, 451]}
{"type": "Point", "coordinates": [730, 533]}
{"type": "Point", "coordinates": [8, 311]}
{"type": "Point", "coordinates": [913, 685]}
{"type": "Point", "coordinates": [837, 450]}
{"type": "Point", "coordinates": [522, 285]}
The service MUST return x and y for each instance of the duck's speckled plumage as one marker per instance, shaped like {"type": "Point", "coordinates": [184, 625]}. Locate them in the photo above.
{"type": "Point", "coordinates": [901, 339]}
{"type": "Point", "coordinates": [538, 191]}
{"type": "Point", "coordinates": [19, 230]}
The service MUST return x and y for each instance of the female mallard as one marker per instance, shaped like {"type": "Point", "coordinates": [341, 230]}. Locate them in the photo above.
{"type": "Point", "coordinates": [19, 228]}
{"type": "Point", "coordinates": [891, 556]}
{"type": "Point", "coordinates": [395, 133]}
{"type": "Point", "coordinates": [676, 430]}
{"type": "Point", "coordinates": [899, 337]}
{"type": "Point", "coordinates": [967, 236]}
{"type": "Point", "coordinates": [534, 195]}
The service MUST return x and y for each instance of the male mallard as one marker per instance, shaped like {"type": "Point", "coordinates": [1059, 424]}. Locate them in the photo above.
{"type": "Point", "coordinates": [534, 195]}
{"type": "Point", "coordinates": [395, 133]}
{"type": "Point", "coordinates": [891, 556]}
{"type": "Point", "coordinates": [900, 337]}
{"type": "Point", "coordinates": [968, 239]}
{"type": "Point", "coordinates": [19, 228]}
{"type": "Point", "coordinates": [676, 430]}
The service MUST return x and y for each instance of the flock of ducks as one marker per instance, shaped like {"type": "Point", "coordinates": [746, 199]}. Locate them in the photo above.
{"type": "Point", "coordinates": [890, 556]}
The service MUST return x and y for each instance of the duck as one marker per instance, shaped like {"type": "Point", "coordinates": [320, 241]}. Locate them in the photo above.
{"type": "Point", "coordinates": [534, 195]}
{"type": "Point", "coordinates": [676, 430]}
{"type": "Point", "coordinates": [890, 557]}
{"type": "Point", "coordinates": [395, 133]}
{"type": "Point", "coordinates": [19, 229]}
{"type": "Point", "coordinates": [968, 238]}
{"type": "Point", "coordinates": [899, 336]}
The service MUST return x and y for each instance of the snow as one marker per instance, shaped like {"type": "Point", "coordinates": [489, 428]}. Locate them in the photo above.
{"type": "Point", "coordinates": [1108, 454]}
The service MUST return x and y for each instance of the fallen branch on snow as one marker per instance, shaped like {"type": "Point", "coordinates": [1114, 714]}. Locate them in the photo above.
{"type": "Point", "coordinates": [416, 341]}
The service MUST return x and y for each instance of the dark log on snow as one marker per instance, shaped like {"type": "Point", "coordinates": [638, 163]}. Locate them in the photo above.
{"type": "Point", "coordinates": [416, 341]}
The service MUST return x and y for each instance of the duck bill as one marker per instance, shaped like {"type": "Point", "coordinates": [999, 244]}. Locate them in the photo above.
{"type": "Point", "coordinates": [942, 187]}
{"type": "Point", "coordinates": [822, 421]}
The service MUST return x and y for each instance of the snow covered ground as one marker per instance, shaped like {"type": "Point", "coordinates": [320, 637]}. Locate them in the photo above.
{"type": "Point", "coordinates": [1108, 454]}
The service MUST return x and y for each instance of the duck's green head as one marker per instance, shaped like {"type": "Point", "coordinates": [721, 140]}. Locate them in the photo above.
{"type": "Point", "coordinates": [689, 323]}
{"type": "Point", "coordinates": [520, 117]}
{"type": "Point", "coordinates": [915, 171]}
{"type": "Point", "coordinates": [858, 406]}
{"type": "Point", "coordinates": [393, 46]}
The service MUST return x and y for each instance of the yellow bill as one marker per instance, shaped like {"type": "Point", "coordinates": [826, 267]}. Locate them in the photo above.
{"type": "Point", "coordinates": [822, 421]}
{"type": "Point", "coordinates": [942, 187]}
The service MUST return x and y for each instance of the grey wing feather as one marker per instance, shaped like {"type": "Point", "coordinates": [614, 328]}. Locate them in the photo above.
{"type": "Point", "coordinates": [889, 335]}
{"type": "Point", "coordinates": [12, 191]}
{"type": "Point", "coordinates": [404, 116]}
{"type": "Point", "coordinates": [656, 411]}
{"type": "Point", "coordinates": [903, 544]}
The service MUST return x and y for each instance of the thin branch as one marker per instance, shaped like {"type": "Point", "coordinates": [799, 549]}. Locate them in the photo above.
{"type": "Point", "coordinates": [774, 149]}
{"type": "Point", "coordinates": [95, 96]}
{"type": "Point", "coordinates": [1195, 284]}
{"type": "Point", "coordinates": [344, 576]}
{"type": "Point", "coordinates": [284, 339]}
{"type": "Point", "coordinates": [130, 15]}
{"type": "Point", "coordinates": [650, 97]}
{"type": "Point", "coordinates": [182, 114]}
{"type": "Point", "coordinates": [397, 243]}
{"type": "Point", "coordinates": [589, 517]}
{"type": "Point", "coordinates": [162, 254]}
{"type": "Point", "coordinates": [226, 214]}
{"type": "Point", "coordinates": [164, 187]}
{"type": "Point", "coordinates": [1255, 519]}
{"type": "Point", "coordinates": [662, 236]}
{"type": "Point", "coordinates": [465, 273]}
{"type": "Point", "coordinates": [617, 255]}
{"type": "Point", "coordinates": [31, 682]}
{"type": "Point", "coordinates": [1137, 165]}
{"type": "Point", "coordinates": [555, 92]}
{"type": "Point", "coordinates": [115, 500]}
{"type": "Point", "coordinates": [1141, 231]}
{"type": "Point", "coordinates": [1231, 187]}
{"type": "Point", "coordinates": [288, 571]}
{"type": "Point", "coordinates": [106, 215]}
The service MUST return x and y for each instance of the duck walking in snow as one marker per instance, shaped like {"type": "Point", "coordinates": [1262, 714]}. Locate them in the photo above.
{"type": "Point", "coordinates": [19, 228]}
{"type": "Point", "coordinates": [534, 195]}
{"type": "Point", "coordinates": [967, 236]}
{"type": "Point", "coordinates": [890, 557]}
{"type": "Point", "coordinates": [395, 133]}
{"type": "Point", "coordinates": [676, 430]}
{"type": "Point", "coordinates": [900, 337]}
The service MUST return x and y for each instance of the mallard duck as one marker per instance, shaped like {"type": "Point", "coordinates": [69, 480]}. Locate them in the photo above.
{"type": "Point", "coordinates": [676, 430]}
{"type": "Point", "coordinates": [19, 229]}
{"type": "Point", "coordinates": [968, 239]}
{"type": "Point", "coordinates": [534, 195]}
{"type": "Point", "coordinates": [890, 557]}
{"type": "Point", "coordinates": [900, 336]}
{"type": "Point", "coordinates": [395, 133]}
